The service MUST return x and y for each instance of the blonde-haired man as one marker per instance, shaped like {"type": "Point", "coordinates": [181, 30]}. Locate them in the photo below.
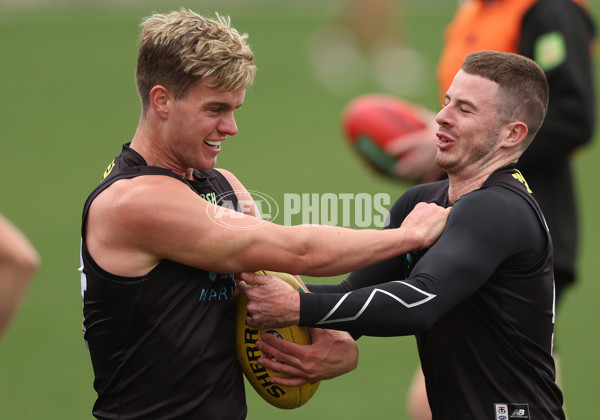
{"type": "Point", "coordinates": [161, 238]}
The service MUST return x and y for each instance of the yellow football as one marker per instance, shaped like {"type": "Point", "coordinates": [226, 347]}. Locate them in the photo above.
{"type": "Point", "coordinates": [260, 377]}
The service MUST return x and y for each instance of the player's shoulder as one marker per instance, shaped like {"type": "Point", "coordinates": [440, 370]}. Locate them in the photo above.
{"type": "Point", "coordinates": [434, 192]}
{"type": "Point", "coordinates": [497, 211]}
{"type": "Point", "coordinates": [431, 192]}
{"type": "Point", "coordinates": [494, 202]}
{"type": "Point", "coordinates": [129, 196]}
{"type": "Point", "coordinates": [230, 177]}
{"type": "Point", "coordinates": [157, 183]}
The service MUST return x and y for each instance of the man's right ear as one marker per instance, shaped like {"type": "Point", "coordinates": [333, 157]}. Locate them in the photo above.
{"type": "Point", "coordinates": [160, 100]}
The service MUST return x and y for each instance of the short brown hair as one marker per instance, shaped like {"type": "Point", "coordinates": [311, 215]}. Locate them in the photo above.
{"type": "Point", "coordinates": [523, 93]}
{"type": "Point", "coordinates": [180, 48]}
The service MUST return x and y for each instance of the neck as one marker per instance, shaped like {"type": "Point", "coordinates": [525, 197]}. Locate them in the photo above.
{"type": "Point", "coordinates": [152, 151]}
{"type": "Point", "coordinates": [461, 183]}
{"type": "Point", "coordinates": [460, 186]}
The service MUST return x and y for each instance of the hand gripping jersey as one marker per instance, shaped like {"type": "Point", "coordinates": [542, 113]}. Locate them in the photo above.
{"type": "Point", "coordinates": [480, 302]}
{"type": "Point", "coordinates": [162, 345]}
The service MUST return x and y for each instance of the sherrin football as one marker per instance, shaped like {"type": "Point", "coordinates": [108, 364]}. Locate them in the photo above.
{"type": "Point", "coordinates": [281, 396]}
{"type": "Point", "coordinates": [373, 122]}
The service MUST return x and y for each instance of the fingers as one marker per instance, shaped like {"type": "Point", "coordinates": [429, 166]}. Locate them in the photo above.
{"type": "Point", "coordinates": [428, 220]}
{"type": "Point", "coordinates": [282, 361]}
{"type": "Point", "coordinates": [289, 381]}
{"type": "Point", "coordinates": [294, 376]}
{"type": "Point", "coordinates": [284, 351]}
{"type": "Point", "coordinates": [283, 348]}
{"type": "Point", "coordinates": [248, 280]}
{"type": "Point", "coordinates": [253, 278]}
{"type": "Point", "coordinates": [405, 143]}
{"type": "Point", "coordinates": [251, 322]}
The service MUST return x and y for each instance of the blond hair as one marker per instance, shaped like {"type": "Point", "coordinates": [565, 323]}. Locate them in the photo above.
{"type": "Point", "coordinates": [178, 49]}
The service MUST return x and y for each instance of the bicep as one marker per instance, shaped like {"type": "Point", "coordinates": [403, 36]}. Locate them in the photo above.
{"type": "Point", "coordinates": [215, 238]}
{"type": "Point", "coordinates": [135, 223]}
{"type": "Point", "coordinates": [477, 239]}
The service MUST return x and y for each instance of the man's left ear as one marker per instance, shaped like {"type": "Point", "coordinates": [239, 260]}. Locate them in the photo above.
{"type": "Point", "coordinates": [517, 131]}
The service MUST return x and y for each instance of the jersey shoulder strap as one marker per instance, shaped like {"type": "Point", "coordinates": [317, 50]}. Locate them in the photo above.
{"type": "Point", "coordinates": [210, 184]}
{"type": "Point", "coordinates": [511, 178]}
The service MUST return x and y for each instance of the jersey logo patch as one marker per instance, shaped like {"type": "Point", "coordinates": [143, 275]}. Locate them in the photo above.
{"type": "Point", "coordinates": [109, 169]}
{"type": "Point", "coordinates": [550, 50]}
{"type": "Point", "coordinates": [519, 177]}
{"type": "Point", "coordinates": [510, 411]}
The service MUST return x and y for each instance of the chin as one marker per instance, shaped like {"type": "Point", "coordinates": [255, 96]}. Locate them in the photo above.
{"type": "Point", "coordinates": [445, 165]}
{"type": "Point", "coordinates": [205, 165]}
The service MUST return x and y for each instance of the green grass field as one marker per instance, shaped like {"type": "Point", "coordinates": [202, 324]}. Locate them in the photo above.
{"type": "Point", "coordinates": [69, 102]}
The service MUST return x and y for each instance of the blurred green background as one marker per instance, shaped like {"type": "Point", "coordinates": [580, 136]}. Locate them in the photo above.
{"type": "Point", "coordinates": [68, 102]}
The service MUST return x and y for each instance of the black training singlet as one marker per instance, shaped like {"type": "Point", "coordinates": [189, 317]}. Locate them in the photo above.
{"type": "Point", "coordinates": [480, 302]}
{"type": "Point", "coordinates": [162, 345]}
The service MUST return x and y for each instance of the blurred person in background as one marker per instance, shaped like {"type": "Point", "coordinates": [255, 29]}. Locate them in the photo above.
{"type": "Point", "coordinates": [18, 263]}
{"type": "Point", "coordinates": [363, 43]}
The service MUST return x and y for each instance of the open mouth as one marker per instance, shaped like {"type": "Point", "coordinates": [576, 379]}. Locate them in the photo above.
{"type": "Point", "coordinates": [213, 144]}
{"type": "Point", "coordinates": [442, 138]}
{"type": "Point", "coordinates": [443, 141]}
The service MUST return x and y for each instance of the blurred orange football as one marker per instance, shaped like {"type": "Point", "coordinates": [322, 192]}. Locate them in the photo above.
{"type": "Point", "coordinates": [373, 122]}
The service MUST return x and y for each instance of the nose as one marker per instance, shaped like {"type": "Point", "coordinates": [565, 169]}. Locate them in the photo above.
{"type": "Point", "coordinates": [228, 125]}
{"type": "Point", "coordinates": [442, 117]}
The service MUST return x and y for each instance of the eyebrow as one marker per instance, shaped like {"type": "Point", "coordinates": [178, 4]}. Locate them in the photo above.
{"type": "Point", "coordinates": [461, 101]}
{"type": "Point", "coordinates": [222, 104]}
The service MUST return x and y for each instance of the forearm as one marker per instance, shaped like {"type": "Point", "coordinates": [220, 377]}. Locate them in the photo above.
{"type": "Point", "coordinates": [16, 251]}
{"type": "Point", "coordinates": [14, 282]}
{"type": "Point", "coordinates": [336, 251]}
{"type": "Point", "coordinates": [18, 262]}
{"type": "Point", "coordinates": [392, 269]}
{"type": "Point", "coordinates": [391, 309]}
{"type": "Point", "coordinates": [325, 288]}
{"type": "Point", "coordinates": [341, 250]}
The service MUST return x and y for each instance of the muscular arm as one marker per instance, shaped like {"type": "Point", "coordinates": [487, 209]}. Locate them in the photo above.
{"type": "Point", "coordinates": [137, 222]}
{"type": "Point", "coordinates": [480, 235]}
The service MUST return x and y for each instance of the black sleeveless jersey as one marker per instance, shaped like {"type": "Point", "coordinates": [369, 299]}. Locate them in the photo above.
{"type": "Point", "coordinates": [162, 345]}
{"type": "Point", "coordinates": [480, 302]}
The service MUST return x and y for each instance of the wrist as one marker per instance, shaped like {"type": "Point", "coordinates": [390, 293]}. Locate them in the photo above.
{"type": "Point", "coordinates": [295, 309]}
{"type": "Point", "coordinates": [410, 239]}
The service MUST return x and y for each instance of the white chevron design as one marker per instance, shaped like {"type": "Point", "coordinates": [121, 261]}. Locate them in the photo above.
{"type": "Point", "coordinates": [327, 320]}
